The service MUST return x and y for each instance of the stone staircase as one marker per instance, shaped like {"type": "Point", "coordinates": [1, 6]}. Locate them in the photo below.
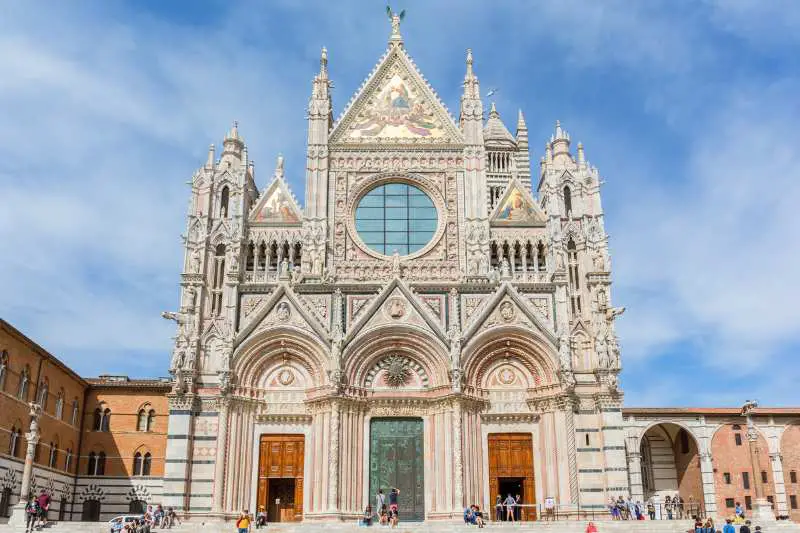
{"type": "Point", "coordinates": [576, 526]}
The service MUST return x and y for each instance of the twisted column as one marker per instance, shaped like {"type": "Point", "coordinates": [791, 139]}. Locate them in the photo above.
{"type": "Point", "coordinates": [333, 465]}
{"type": "Point", "coordinates": [458, 467]}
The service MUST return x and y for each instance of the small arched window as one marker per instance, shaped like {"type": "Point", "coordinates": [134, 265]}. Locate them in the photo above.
{"type": "Point", "coordinates": [98, 419]}
{"type": "Point", "coordinates": [146, 464]}
{"type": "Point", "coordinates": [68, 460]}
{"type": "Point", "coordinates": [44, 393]}
{"type": "Point", "coordinates": [3, 369]}
{"type": "Point", "coordinates": [101, 463]}
{"type": "Point", "coordinates": [53, 455]}
{"type": "Point", "coordinates": [74, 412]}
{"type": "Point", "coordinates": [141, 422]}
{"type": "Point", "coordinates": [219, 276]}
{"type": "Point", "coordinates": [13, 442]}
{"type": "Point", "coordinates": [151, 417]}
{"type": "Point", "coordinates": [567, 201]}
{"type": "Point", "coordinates": [137, 464]}
{"type": "Point", "coordinates": [106, 420]}
{"type": "Point", "coordinates": [223, 202]}
{"type": "Point", "coordinates": [91, 464]}
{"type": "Point", "coordinates": [22, 389]}
{"type": "Point", "coordinates": [60, 404]}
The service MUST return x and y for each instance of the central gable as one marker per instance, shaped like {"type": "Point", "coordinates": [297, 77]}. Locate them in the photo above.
{"type": "Point", "coordinates": [396, 105]}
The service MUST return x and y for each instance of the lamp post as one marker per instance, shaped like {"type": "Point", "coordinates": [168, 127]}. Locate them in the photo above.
{"type": "Point", "coordinates": [18, 512]}
{"type": "Point", "coordinates": [762, 509]}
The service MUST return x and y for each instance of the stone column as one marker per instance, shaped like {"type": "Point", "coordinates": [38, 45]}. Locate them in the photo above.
{"type": "Point", "coordinates": [222, 448]}
{"type": "Point", "coordinates": [707, 475]}
{"type": "Point", "coordinates": [762, 509]}
{"type": "Point", "coordinates": [635, 473]}
{"type": "Point", "coordinates": [18, 512]}
{"type": "Point", "coordinates": [780, 485]}
{"type": "Point", "coordinates": [570, 404]}
{"type": "Point", "coordinates": [333, 465]}
{"type": "Point", "coordinates": [458, 467]}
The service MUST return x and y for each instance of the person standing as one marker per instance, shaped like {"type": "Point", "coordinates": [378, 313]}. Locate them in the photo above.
{"type": "Point", "coordinates": [728, 527]}
{"type": "Point", "coordinates": [44, 504]}
{"type": "Point", "coordinates": [517, 507]}
{"type": "Point", "coordinates": [380, 501]}
{"type": "Point", "coordinates": [498, 508]}
{"type": "Point", "coordinates": [745, 528]}
{"type": "Point", "coordinates": [394, 506]}
{"type": "Point", "coordinates": [510, 503]}
{"type": "Point", "coordinates": [243, 523]}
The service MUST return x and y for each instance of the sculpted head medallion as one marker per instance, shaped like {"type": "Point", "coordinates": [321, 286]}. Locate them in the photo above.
{"type": "Point", "coordinates": [396, 307]}
{"type": "Point", "coordinates": [283, 311]}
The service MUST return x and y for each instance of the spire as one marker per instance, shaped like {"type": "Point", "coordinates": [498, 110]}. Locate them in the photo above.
{"type": "Point", "coordinates": [561, 134]}
{"type": "Point", "coordinates": [323, 63]}
{"type": "Point", "coordinates": [470, 75]}
{"type": "Point", "coordinates": [560, 141]}
{"type": "Point", "coordinates": [233, 134]}
{"type": "Point", "coordinates": [581, 155]}
{"type": "Point", "coordinates": [521, 122]}
{"type": "Point", "coordinates": [210, 162]}
{"type": "Point", "coordinates": [471, 88]}
{"type": "Point", "coordinates": [493, 112]}
{"type": "Point", "coordinates": [495, 131]}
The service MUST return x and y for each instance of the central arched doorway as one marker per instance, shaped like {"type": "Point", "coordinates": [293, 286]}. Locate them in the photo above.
{"type": "Point", "coordinates": [671, 467]}
{"type": "Point", "coordinates": [397, 460]}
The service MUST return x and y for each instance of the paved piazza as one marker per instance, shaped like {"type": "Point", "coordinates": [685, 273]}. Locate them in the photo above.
{"type": "Point", "coordinates": [436, 315]}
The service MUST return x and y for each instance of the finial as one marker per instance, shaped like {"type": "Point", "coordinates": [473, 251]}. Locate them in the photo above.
{"type": "Point", "coordinates": [521, 121]}
{"type": "Point", "coordinates": [469, 63]}
{"type": "Point", "coordinates": [323, 61]}
{"type": "Point", "coordinates": [581, 156]}
{"type": "Point", "coordinates": [279, 167]}
{"type": "Point", "coordinates": [234, 133]}
{"type": "Point", "coordinates": [493, 112]}
{"type": "Point", "coordinates": [395, 19]}
{"type": "Point", "coordinates": [560, 134]}
{"type": "Point", "coordinates": [210, 162]}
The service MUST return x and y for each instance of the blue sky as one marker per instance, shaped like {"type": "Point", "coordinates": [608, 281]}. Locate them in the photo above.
{"type": "Point", "coordinates": [689, 109]}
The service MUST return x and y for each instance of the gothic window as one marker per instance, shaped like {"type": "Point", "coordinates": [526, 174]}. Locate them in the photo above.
{"type": "Point", "coordinates": [273, 256]}
{"type": "Point", "coordinates": [5, 502]}
{"type": "Point", "coordinates": [53, 455]}
{"type": "Point", "coordinates": [219, 275]}
{"type": "Point", "coordinates": [91, 464]}
{"type": "Point", "coordinates": [74, 420]}
{"type": "Point", "coordinates": [141, 424]}
{"type": "Point", "coordinates": [737, 438]}
{"type": "Point", "coordinates": [137, 464]}
{"type": "Point", "coordinates": [101, 464]}
{"type": "Point", "coordinates": [223, 202]}
{"type": "Point", "coordinates": [3, 369]}
{"type": "Point", "coordinates": [22, 389]}
{"type": "Point", "coordinates": [298, 254]}
{"type": "Point", "coordinates": [43, 393]}
{"type": "Point", "coordinates": [13, 442]}
{"type": "Point", "coordinates": [68, 460]}
{"type": "Point", "coordinates": [574, 278]}
{"type": "Point", "coordinates": [567, 201]}
{"type": "Point", "coordinates": [262, 256]}
{"type": "Point", "coordinates": [146, 462]}
{"type": "Point", "coordinates": [102, 419]}
{"type": "Point", "coordinates": [396, 217]}
{"type": "Point", "coordinates": [250, 261]}
{"type": "Point", "coordinates": [60, 404]}
{"type": "Point", "coordinates": [137, 507]}
{"type": "Point", "coordinates": [151, 417]}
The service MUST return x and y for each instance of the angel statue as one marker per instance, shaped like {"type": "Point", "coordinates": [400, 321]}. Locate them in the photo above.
{"type": "Point", "coordinates": [395, 18]}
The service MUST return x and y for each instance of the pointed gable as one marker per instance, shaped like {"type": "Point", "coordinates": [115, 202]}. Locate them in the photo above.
{"type": "Point", "coordinates": [395, 104]}
{"type": "Point", "coordinates": [517, 208]}
{"type": "Point", "coordinates": [276, 205]}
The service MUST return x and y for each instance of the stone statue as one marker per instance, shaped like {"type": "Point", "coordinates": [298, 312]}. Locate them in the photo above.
{"type": "Point", "coordinates": [284, 269]}
{"type": "Point", "coordinates": [505, 269]}
{"type": "Point", "coordinates": [396, 264]}
{"type": "Point", "coordinates": [602, 352]}
{"type": "Point", "coordinates": [178, 358]}
{"type": "Point", "coordinates": [194, 261]}
{"type": "Point", "coordinates": [493, 275]}
{"type": "Point", "coordinates": [599, 263]}
{"type": "Point", "coordinates": [316, 264]}
{"type": "Point", "coordinates": [564, 353]}
{"type": "Point", "coordinates": [454, 335]}
{"type": "Point", "coordinates": [613, 312]}
{"type": "Point", "coordinates": [297, 276]}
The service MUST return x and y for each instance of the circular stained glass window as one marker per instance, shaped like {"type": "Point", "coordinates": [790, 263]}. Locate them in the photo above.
{"type": "Point", "coordinates": [396, 217]}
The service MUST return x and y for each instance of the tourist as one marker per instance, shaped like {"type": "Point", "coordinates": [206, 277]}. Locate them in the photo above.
{"type": "Point", "coordinates": [639, 511]}
{"type": "Point", "coordinates": [394, 506]}
{"type": "Point", "coordinates": [44, 504]}
{"type": "Point", "coordinates": [745, 528]}
{"type": "Point", "coordinates": [698, 526]}
{"type": "Point", "coordinates": [728, 527]}
{"type": "Point", "coordinates": [366, 520]}
{"type": "Point", "coordinates": [498, 508]}
{"type": "Point", "coordinates": [631, 508]}
{"type": "Point", "coordinates": [478, 516]}
{"type": "Point", "coordinates": [738, 510]}
{"type": "Point", "coordinates": [758, 529]}
{"type": "Point", "coordinates": [509, 504]}
{"type": "Point", "coordinates": [380, 500]}
{"type": "Point", "coordinates": [668, 507]}
{"type": "Point", "coordinates": [613, 509]}
{"type": "Point", "coordinates": [710, 525]}
{"type": "Point", "coordinates": [243, 523]}
{"type": "Point", "coordinates": [679, 504]}
{"type": "Point", "coordinates": [651, 509]}
{"type": "Point", "coordinates": [31, 514]}
{"type": "Point", "coordinates": [517, 507]}
{"type": "Point", "coordinates": [261, 518]}
{"type": "Point", "coordinates": [468, 516]}
{"type": "Point", "coordinates": [384, 516]}
{"type": "Point", "coordinates": [591, 528]}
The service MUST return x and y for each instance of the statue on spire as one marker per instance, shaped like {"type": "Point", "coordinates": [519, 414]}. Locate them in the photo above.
{"type": "Point", "coordinates": [395, 19]}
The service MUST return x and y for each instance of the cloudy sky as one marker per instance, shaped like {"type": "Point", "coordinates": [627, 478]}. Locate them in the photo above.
{"type": "Point", "coordinates": [690, 110]}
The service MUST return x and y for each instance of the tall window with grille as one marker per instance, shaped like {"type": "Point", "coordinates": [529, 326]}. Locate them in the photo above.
{"type": "Point", "coordinates": [574, 277]}
{"type": "Point", "coordinates": [218, 280]}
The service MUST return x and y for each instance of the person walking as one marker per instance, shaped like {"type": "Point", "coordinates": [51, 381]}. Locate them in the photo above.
{"type": "Point", "coordinates": [31, 514]}
{"type": "Point", "coordinates": [510, 503]}
{"type": "Point", "coordinates": [243, 523]}
{"type": "Point", "coordinates": [380, 501]}
{"type": "Point", "coordinates": [44, 504]}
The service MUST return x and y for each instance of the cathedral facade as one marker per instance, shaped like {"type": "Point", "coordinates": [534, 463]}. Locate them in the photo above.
{"type": "Point", "coordinates": [437, 317]}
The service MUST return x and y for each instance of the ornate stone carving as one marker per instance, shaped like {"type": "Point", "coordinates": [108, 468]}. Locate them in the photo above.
{"type": "Point", "coordinates": [397, 371]}
{"type": "Point", "coordinates": [283, 311]}
{"type": "Point", "coordinates": [507, 311]}
{"type": "Point", "coordinates": [396, 307]}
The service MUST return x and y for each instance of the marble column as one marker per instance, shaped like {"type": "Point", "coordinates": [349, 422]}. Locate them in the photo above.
{"type": "Point", "coordinates": [333, 465]}
{"type": "Point", "coordinates": [781, 506]}
{"type": "Point", "coordinates": [219, 466]}
{"type": "Point", "coordinates": [635, 474]}
{"type": "Point", "coordinates": [458, 467]}
{"type": "Point", "coordinates": [18, 512]}
{"type": "Point", "coordinates": [707, 475]}
{"type": "Point", "coordinates": [762, 509]}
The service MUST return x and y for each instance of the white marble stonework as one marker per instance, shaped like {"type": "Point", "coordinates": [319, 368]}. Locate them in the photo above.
{"type": "Point", "coordinates": [290, 323]}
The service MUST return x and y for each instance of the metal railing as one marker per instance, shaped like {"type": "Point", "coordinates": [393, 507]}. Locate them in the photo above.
{"type": "Point", "coordinates": [538, 511]}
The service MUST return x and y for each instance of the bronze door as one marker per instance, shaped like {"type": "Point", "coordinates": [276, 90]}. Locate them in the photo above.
{"type": "Point", "coordinates": [396, 459]}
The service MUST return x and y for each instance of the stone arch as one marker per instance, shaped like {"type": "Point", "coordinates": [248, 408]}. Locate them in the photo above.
{"type": "Point", "coordinates": [425, 353]}
{"type": "Point", "coordinates": [536, 354]}
{"type": "Point", "coordinates": [675, 449]}
{"type": "Point", "coordinates": [257, 356]}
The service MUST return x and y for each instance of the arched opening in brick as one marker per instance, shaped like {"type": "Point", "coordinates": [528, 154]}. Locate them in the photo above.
{"type": "Point", "coordinates": [671, 467]}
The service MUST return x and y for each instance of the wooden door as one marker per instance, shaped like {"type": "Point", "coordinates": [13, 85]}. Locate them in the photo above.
{"type": "Point", "coordinates": [281, 456]}
{"type": "Point", "coordinates": [511, 456]}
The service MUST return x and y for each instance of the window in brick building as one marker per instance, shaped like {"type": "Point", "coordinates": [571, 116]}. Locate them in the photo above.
{"type": "Point", "coordinates": [5, 502]}
{"type": "Point", "coordinates": [13, 442]}
{"type": "Point", "coordinates": [146, 464]}
{"type": "Point", "coordinates": [748, 502]}
{"type": "Point", "coordinates": [97, 464]}
{"type": "Point", "coordinates": [53, 455]}
{"type": "Point", "coordinates": [91, 464]}
{"type": "Point", "coordinates": [729, 503]}
{"type": "Point", "coordinates": [737, 437]}
{"type": "Point", "coordinates": [141, 423]}
{"type": "Point", "coordinates": [68, 460]}
{"type": "Point", "coordinates": [3, 369]}
{"type": "Point", "coordinates": [793, 501]}
{"type": "Point", "coordinates": [793, 476]}
{"type": "Point", "coordinates": [763, 476]}
{"type": "Point", "coordinates": [137, 464]}
{"type": "Point", "coordinates": [74, 421]}
{"type": "Point", "coordinates": [746, 480]}
{"type": "Point", "coordinates": [22, 388]}
{"type": "Point", "coordinates": [727, 478]}
{"type": "Point", "coordinates": [102, 419]}
{"type": "Point", "coordinates": [684, 440]}
{"type": "Point", "coordinates": [60, 404]}
{"type": "Point", "coordinates": [101, 464]}
{"type": "Point", "coordinates": [151, 416]}
{"type": "Point", "coordinates": [44, 393]}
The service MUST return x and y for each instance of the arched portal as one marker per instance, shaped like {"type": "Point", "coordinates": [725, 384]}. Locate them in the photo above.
{"type": "Point", "coordinates": [671, 465]}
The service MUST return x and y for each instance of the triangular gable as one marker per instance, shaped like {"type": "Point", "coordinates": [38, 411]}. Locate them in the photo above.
{"type": "Point", "coordinates": [520, 313]}
{"type": "Point", "coordinates": [277, 205]}
{"type": "Point", "coordinates": [395, 104]}
{"type": "Point", "coordinates": [274, 313]}
{"type": "Point", "coordinates": [517, 208]}
{"type": "Point", "coordinates": [412, 308]}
